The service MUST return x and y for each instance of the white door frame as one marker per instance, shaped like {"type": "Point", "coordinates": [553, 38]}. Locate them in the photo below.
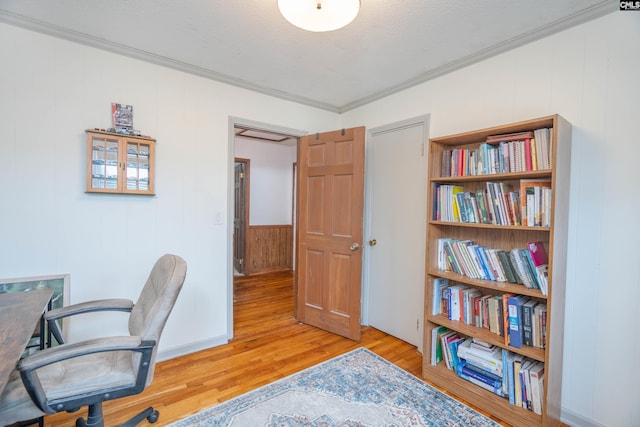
{"type": "Point", "coordinates": [422, 120]}
{"type": "Point", "coordinates": [233, 122]}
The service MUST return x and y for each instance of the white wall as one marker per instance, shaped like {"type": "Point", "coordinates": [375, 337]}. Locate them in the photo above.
{"type": "Point", "coordinates": [591, 76]}
{"type": "Point", "coordinates": [271, 180]}
{"type": "Point", "coordinates": [51, 90]}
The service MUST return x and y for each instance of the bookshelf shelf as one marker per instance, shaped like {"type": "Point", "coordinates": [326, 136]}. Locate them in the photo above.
{"type": "Point", "coordinates": [495, 176]}
{"type": "Point", "coordinates": [493, 226]}
{"type": "Point", "coordinates": [488, 284]}
{"type": "Point", "coordinates": [496, 236]}
{"type": "Point", "coordinates": [483, 399]}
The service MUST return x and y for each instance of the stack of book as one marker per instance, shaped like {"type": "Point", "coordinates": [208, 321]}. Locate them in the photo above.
{"type": "Point", "coordinates": [498, 204]}
{"type": "Point", "coordinates": [504, 373]}
{"type": "Point", "coordinates": [527, 266]}
{"type": "Point", "coordinates": [518, 319]}
{"type": "Point", "coordinates": [507, 153]}
{"type": "Point", "coordinates": [535, 202]}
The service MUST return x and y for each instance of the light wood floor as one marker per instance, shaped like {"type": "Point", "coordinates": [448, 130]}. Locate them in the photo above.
{"type": "Point", "coordinates": [268, 344]}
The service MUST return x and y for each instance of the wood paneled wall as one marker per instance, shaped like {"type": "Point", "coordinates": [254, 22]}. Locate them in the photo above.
{"type": "Point", "coordinates": [269, 248]}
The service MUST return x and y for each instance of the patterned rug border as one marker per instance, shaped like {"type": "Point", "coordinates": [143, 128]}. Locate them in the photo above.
{"type": "Point", "coordinates": [269, 391]}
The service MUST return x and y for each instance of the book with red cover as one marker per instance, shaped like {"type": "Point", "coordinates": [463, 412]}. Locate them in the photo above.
{"type": "Point", "coordinates": [538, 253]}
{"type": "Point", "coordinates": [540, 261]}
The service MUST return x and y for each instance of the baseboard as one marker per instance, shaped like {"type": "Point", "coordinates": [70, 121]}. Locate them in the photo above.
{"type": "Point", "coordinates": [574, 419]}
{"type": "Point", "coordinates": [171, 353]}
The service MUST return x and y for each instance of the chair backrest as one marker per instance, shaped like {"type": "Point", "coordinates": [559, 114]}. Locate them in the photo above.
{"type": "Point", "coordinates": [158, 296]}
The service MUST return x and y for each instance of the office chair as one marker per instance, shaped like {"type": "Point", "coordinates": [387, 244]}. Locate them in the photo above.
{"type": "Point", "coordinates": [73, 375]}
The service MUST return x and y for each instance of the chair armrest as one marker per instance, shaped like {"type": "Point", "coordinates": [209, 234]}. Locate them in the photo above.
{"type": "Point", "coordinates": [67, 351]}
{"type": "Point", "coordinates": [84, 307]}
{"type": "Point", "coordinates": [89, 307]}
{"type": "Point", "coordinates": [28, 368]}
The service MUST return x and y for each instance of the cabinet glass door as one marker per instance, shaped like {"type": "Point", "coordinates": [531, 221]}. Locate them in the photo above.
{"type": "Point", "coordinates": [104, 163]}
{"type": "Point", "coordinates": [138, 166]}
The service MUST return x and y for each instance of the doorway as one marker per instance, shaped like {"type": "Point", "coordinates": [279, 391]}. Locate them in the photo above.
{"type": "Point", "coordinates": [264, 218]}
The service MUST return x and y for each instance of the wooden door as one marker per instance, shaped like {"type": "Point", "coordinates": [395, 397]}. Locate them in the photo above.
{"type": "Point", "coordinates": [330, 209]}
{"type": "Point", "coordinates": [240, 214]}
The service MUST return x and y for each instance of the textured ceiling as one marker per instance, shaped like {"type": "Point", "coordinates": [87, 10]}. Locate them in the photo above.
{"type": "Point", "coordinates": [391, 45]}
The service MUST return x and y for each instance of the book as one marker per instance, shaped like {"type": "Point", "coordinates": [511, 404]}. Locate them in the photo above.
{"type": "Point", "coordinates": [455, 301]}
{"type": "Point", "coordinates": [455, 211]}
{"type": "Point", "coordinates": [493, 315]}
{"type": "Point", "coordinates": [490, 362]}
{"type": "Point", "coordinates": [536, 373]}
{"type": "Point", "coordinates": [527, 267]}
{"type": "Point", "coordinates": [468, 296]}
{"type": "Point", "coordinates": [482, 345]}
{"type": "Point", "coordinates": [520, 268]}
{"type": "Point", "coordinates": [539, 320]}
{"type": "Point", "coordinates": [516, 331]}
{"type": "Point", "coordinates": [516, 136]}
{"type": "Point", "coordinates": [467, 371]}
{"type": "Point", "coordinates": [436, 344]}
{"type": "Point", "coordinates": [453, 351]}
{"type": "Point", "coordinates": [505, 316]}
{"type": "Point", "coordinates": [517, 380]}
{"type": "Point", "coordinates": [484, 262]}
{"type": "Point", "coordinates": [525, 383]}
{"type": "Point", "coordinates": [511, 356]}
{"type": "Point", "coordinates": [505, 262]}
{"type": "Point", "coordinates": [447, 338]}
{"type": "Point", "coordinates": [450, 256]}
{"type": "Point", "coordinates": [527, 322]}
{"type": "Point", "coordinates": [543, 145]}
{"type": "Point", "coordinates": [438, 285]}
{"type": "Point", "coordinates": [540, 261]}
{"type": "Point", "coordinates": [482, 207]}
{"type": "Point", "coordinates": [444, 345]}
{"type": "Point", "coordinates": [480, 383]}
{"type": "Point", "coordinates": [527, 199]}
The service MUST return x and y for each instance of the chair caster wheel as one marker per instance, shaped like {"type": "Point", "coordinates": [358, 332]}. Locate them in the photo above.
{"type": "Point", "coordinates": [153, 417]}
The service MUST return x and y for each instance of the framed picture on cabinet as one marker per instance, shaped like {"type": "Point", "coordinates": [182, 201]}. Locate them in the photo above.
{"type": "Point", "coordinates": [122, 116]}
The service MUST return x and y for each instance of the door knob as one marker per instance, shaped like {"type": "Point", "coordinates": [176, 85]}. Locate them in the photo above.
{"type": "Point", "coordinates": [354, 246]}
{"type": "Point", "coordinates": [373, 242]}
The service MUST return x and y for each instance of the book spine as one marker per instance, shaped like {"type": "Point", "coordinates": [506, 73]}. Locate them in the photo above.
{"type": "Point", "coordinates": [493, 366]}
{"type": "Point", "coordinates": [478, 382]}
{"type": "Point", "coordinates": [527, 330]}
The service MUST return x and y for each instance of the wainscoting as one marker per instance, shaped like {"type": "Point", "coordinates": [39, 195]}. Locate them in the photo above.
{"type": "Point", "coordinates": [269, 248]}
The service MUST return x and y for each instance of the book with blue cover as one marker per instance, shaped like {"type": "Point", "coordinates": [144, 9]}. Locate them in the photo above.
{"type": "Point", "coordinates": [516, 331]}
{"type": "Point", "coordinates": [486, 380]}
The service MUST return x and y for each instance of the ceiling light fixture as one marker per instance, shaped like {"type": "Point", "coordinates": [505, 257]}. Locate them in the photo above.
{"type": "Point", "coordinates": [319, 15]}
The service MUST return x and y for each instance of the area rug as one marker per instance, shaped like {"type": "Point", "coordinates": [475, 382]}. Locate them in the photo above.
{"type": "Point", "coordinates": [356, 389]}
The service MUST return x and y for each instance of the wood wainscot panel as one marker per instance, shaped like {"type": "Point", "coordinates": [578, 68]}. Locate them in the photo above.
{"type": "Point", "coordinates": [269, 248]}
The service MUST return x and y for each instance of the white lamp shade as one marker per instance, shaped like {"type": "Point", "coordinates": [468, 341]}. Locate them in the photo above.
{"type": "Point", "coordinates": [319, 15]}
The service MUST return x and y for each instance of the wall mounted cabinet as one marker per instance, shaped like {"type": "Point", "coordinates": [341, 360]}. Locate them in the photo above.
{"type": "Point", "coordinates": [118, 163]}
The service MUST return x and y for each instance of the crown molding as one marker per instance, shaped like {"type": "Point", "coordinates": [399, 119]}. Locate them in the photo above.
{"type": "Point", "coordinates": [586, 15]}
{"type": "Point", "coordinates": [581, 17]}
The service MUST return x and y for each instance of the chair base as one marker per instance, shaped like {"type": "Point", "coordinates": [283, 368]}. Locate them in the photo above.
{"type": "Point", "coordinates": [39, 421]}
{"type": "Point", "coordinates": [96, 419]}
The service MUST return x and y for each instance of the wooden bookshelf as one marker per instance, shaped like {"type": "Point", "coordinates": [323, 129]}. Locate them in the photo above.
{"type": "Point", "coordinates": [505, 237]}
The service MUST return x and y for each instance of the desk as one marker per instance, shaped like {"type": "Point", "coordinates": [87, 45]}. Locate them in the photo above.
{"type": "Point", "coordinates": [20, 313]}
